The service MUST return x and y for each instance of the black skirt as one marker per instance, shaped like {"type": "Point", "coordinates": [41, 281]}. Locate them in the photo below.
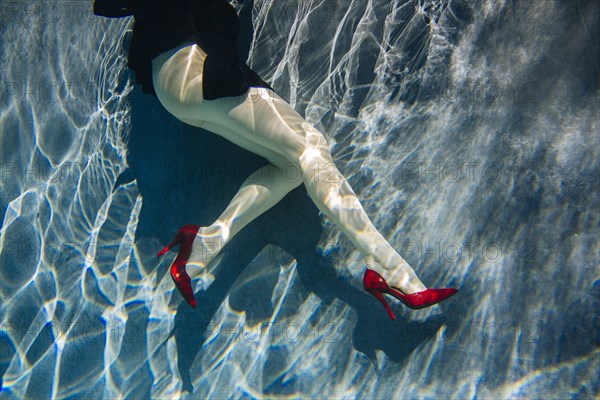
{"type": "Point", "coordinates": [161, 25]}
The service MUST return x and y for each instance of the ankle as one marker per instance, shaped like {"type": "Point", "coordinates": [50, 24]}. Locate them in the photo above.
{"type": "Point", "coordinates": [402, 276]}
{"type": "Point", "coordinates": [206, 246]}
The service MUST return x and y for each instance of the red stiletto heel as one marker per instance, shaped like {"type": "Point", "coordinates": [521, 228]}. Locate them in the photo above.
{"type": "Point", "coordinates": [377, 286]}
{"type": "Point", "coordinates": [185, 237]}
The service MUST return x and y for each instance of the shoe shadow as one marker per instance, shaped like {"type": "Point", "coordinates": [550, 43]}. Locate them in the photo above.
{"type": "Point", "coordinates": [374, 330]}
{"type": "Point", "coordinates": [192, 325]}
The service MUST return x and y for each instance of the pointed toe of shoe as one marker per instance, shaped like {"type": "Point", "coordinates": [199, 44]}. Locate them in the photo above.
{"type": "Point", "coordinates": [430, 297]}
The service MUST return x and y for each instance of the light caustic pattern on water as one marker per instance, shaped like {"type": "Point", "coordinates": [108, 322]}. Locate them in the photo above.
{"type": "Point", "coordinates": [468, 129]}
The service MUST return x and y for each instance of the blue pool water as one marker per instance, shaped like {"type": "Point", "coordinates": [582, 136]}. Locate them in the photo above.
{"type": "Point", "coordinates": [468, 129]}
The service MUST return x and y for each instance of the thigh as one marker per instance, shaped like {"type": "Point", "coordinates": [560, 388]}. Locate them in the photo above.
{"type": "Point", "coordinates": [261, 122]}
{"type": "Point", "coordinates": [264, 118]}
{"type": "Point", "coordinates": [177, 79]}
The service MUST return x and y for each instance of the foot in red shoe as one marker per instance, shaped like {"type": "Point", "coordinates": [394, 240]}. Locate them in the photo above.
{"type": "Point", "coordinates": [377, 286]}
{"type": "Point", "coordinates": [185, 237]}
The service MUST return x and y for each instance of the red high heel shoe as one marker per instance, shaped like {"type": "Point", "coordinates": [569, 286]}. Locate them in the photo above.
{"type": "Point", "coordinates": [377, 286]}
{"type": "Point", "coordinates": [185, 237]}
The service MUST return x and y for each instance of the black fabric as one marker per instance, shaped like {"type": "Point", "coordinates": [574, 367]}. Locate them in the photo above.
{"type": "Point", "coordinates": [161, 25]}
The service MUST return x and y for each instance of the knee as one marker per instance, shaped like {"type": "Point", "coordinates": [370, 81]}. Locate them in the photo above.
{"type": "Point", "coordinates": [314, 162]}
{"type": "Point", "coordinates": [315, 151]}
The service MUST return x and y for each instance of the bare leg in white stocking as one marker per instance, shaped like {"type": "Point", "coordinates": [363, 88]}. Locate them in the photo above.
{"type": "Point", "coordinates": [261, 191]}
{"type": "Point", "coordinates": [265, 124]}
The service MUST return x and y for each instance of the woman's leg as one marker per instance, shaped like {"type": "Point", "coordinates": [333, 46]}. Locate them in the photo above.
{"type": "Point", "coordinates": [177, 78]}
{"type": "Point", "coordinates": [262, 120]}
{"type": "Point", "coordinates": [266, 120]}
{"type": "Point", "coordinates": [259, 192]}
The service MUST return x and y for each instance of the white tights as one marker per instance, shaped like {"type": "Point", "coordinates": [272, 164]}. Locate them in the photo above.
{"type": "Point", "coordinates": [263, 123]}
